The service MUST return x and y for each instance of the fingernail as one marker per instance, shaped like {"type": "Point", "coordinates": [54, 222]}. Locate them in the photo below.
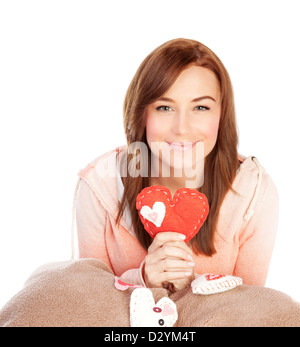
{"type": "Point", "coordinates": [181, 237]}
{"type": "Point", "coordinates": [189, 257]}
{"type": "Point", "coordinates": [187, 274]}
{"type": "Point", "coordinates": [191, 263]}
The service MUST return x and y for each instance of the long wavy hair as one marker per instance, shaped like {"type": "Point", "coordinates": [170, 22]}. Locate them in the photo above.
{"type": "Point", "coordinates": [154, 77]}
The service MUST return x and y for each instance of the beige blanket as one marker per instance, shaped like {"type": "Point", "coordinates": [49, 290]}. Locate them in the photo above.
{"type": "Point", "coordinates": [82, 293]}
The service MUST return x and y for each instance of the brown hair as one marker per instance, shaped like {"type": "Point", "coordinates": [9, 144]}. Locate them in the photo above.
{"type": "Point", "coordinates": [154, 77]}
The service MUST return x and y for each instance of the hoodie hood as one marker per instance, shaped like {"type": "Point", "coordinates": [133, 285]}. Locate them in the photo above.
{"type": "Point", "coordinates": [104, 178]}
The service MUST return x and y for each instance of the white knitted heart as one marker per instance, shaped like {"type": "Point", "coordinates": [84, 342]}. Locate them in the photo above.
{"type": "Point", "coordinates": [156, 214]}
{"type": "Point", "coordinates": [211, 283]}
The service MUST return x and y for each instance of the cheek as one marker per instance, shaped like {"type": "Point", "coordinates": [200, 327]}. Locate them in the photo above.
{"type": "Point", "coordinates": [210, 130]}
{"type": "Point", "coordinates": [154, 129]}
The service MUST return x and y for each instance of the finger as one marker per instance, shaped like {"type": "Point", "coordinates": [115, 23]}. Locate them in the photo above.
{"type": "Point", "coordinates": [163, 237]}
{"type": "Point", "coordinates": [179, 244]}
{"type": "Point", "coordinates": [155, 275]}
{"type": "Point", "coordinates": [173, 276]}
{"type": "Point", "coordinates": [175, 265]}
{"type": "Point", "coordinates": [168, 250]}
{"type": "Point", "coordinates": [183, 283]}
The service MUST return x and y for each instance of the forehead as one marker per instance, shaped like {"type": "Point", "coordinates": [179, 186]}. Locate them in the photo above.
{"type": "Point", "coordinates": [193, 82]}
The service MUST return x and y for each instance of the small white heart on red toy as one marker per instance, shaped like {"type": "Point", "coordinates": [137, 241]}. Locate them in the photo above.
{"type": "Point", "coordinates": [156, 214]}
{"type": "Point", "coordinates": [153, 216]}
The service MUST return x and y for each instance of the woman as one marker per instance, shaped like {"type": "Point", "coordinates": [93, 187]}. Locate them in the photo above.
{"type": "Point", "coordinates": [179, 100]}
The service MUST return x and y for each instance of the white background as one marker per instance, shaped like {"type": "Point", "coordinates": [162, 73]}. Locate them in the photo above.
{"type": "Point", "coordinates": [64, 70]}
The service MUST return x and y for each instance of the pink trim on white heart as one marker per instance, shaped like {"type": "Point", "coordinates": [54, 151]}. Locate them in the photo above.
{"type": "Point", "coordinates": [156, 214]}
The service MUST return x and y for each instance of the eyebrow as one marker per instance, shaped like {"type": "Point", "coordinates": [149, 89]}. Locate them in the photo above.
{"type": "Point", "coordinates": [194, 100]}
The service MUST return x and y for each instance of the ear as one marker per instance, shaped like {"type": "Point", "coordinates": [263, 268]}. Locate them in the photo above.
{"type": "Point", "coordinates": [169, 311]}
{"type": "Point", "coordinates": [141, 305]}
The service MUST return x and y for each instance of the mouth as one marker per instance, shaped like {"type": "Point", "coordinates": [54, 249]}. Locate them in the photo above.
{"type": "Point", "coordinates": [182, 145]}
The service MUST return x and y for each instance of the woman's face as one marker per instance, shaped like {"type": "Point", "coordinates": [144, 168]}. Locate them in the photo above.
{"type": "Point", "coordinates": [185, 119]}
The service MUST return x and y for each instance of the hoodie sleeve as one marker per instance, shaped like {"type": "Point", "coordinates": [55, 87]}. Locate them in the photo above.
{"type": "Point", "coordinates": [258, 237]}
{"type": "Point", "coordinates": [134, 276]}
{"type": "Point", "coordinates": [91, 221]}
{"type": "Point", "coordinates": [91, 225]}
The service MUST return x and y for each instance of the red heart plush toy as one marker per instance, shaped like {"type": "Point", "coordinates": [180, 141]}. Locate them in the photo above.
{"type": "Point", "coordinates": [185, 213]}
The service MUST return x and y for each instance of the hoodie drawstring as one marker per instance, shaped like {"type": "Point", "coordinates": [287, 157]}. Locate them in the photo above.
{"type": "Point", "coordinates": [250, 210]}
{"type": "Point", "coordinates": [73, 220]}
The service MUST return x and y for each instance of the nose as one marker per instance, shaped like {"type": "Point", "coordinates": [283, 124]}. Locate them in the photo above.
{"type": "Point", "coordinates": [181, 125]}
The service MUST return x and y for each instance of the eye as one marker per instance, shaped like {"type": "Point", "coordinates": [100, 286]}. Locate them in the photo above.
{"type": "Point", "coordinates": [161, 322]}
{"type": "Point", "coordinates": [163, 108]}
{"type": "Point", "coordinates": [202, 108]}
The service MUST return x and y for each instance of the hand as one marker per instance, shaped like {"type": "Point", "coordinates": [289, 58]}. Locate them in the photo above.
{"type": "Point", "coordinates": [169, 259]}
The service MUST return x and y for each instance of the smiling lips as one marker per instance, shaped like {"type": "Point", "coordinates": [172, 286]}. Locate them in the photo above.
{"type": "Point", "coordinates": [182, 146]}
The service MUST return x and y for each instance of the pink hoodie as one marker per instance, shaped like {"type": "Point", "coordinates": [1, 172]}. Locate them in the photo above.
{"type": "Point", "coordinates": [245, 234]}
